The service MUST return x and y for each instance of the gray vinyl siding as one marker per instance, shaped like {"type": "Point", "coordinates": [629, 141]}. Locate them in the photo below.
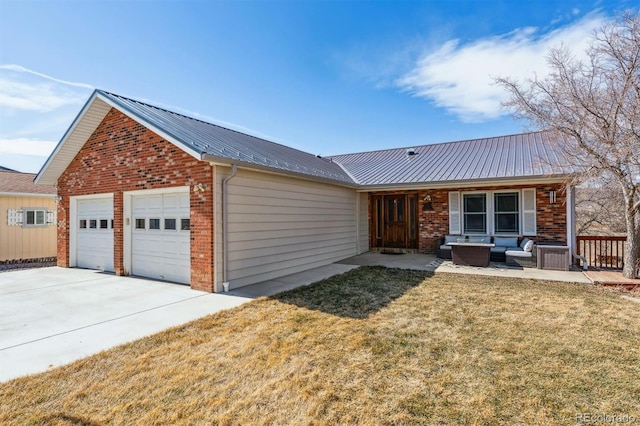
{"type": "Point", "coordinates": [281, 225]}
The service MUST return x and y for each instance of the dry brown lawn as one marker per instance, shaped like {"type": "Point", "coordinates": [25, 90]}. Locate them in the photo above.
{"type": "Point", "coordinates": [373, 346]}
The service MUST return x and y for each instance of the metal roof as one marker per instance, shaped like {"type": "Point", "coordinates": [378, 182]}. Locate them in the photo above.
{"type": "Point", "coordinates": [519, 156]}
{"type": "Point", "coordinates": [210, 140]}
{"type": "Point", "coordinates": [513, 157]}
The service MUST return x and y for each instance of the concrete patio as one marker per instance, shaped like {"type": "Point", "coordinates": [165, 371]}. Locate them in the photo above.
{"type": "Point", "coordinates": [431, 263]}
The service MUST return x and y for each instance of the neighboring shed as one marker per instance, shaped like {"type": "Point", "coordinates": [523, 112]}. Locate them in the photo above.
{"type": "Point", "coordinates": [28, 211]}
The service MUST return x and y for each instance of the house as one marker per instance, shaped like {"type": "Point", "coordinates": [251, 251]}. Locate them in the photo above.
{"type": "Point", "coordinates": [149, 192]}
{"type": "Point", "coordinates": [28, 225]}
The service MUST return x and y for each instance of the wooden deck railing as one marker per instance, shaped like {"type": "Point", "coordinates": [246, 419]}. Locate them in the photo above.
{"type": "Point", "coordinates": [602, 251]}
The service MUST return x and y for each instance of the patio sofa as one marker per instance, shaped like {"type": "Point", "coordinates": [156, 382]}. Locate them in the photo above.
{"type": "Point", "coordinates": [524, 255]}
{"type": "Point", "coordinates": [522, 250]}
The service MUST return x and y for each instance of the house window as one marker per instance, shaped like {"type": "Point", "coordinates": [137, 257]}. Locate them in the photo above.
{"type": "Point", "coordinates": [140, 223]}
{"type": "Point", "coordinates": [185, 224]}
{"type": "Point", "coordinates": [475, 213]}
{"type": "Point", "coordinates": [35, 217]}
{"type": "Point", "coordinates": [83, 223]}
{"type": "Point", "coordinates": [104, 224]}
{"type": "Point", "coordinates": [506, 212]}
{"type": "Point", "coordinates": [93, 223]}
{"type": "Point", "coordinates": [154, 223]}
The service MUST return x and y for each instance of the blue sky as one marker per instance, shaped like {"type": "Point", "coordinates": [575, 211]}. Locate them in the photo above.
{"type": "Point", "coordinates": [326, 77]}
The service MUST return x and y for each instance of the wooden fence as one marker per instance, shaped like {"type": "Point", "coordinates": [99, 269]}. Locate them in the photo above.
{"type": "Point", "coordinates": [602, 251]}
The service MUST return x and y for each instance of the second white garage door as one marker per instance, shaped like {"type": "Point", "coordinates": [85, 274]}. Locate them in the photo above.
{"type": "Point", "coordinates": [160, 244]}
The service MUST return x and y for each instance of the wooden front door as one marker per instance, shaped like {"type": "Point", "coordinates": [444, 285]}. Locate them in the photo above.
{"type": "Point", "coordinates": [394, 223]}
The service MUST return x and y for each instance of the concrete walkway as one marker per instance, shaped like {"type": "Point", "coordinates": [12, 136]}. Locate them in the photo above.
{"type": "Point", "coordinates": [53, 316]}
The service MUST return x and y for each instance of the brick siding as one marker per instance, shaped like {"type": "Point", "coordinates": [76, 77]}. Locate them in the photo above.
{"type": "Point", "coordinates": [123, 155]}
{"type": "Point", "coordinates": [551, 219]}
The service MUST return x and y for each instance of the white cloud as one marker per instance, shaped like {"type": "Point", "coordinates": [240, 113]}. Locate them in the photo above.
{"type": "Point", "coordinates": [35, 111]}
{"type": "Point", "coordinates": [26, 146]}
{"type": "Point", "coordinates": [459, 77]}
{"type": "Point", "coordinates": [19, 68]}
{"type": "Point", "coordinates": [25, 89]}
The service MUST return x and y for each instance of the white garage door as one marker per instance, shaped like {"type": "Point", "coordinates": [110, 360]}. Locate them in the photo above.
{"type": "Point", "coordinates": [95, 234]}
{"type": "Point", "coordinates": [160, 243]}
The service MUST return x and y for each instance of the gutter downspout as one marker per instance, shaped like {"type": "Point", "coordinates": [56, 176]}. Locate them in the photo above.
{"type": "Point", "coordinates": [571, 226]}
{"type": "Point", "coordinates": [225, 230]}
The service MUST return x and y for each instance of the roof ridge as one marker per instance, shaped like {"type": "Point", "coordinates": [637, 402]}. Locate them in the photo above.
{"type": "Point", "coordinates": [437, 143]}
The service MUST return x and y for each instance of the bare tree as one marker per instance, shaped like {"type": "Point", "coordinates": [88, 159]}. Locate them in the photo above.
{"type": "Point", "coordinates": [599, 209]}
{"type": "Point", "coordinates": [593, 106]}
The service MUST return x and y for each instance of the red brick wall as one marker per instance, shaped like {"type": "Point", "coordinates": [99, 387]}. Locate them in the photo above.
{"type": "Point", "coordinates": [551, 219]}
{"type": "Point", "coordinates": [122, 155]}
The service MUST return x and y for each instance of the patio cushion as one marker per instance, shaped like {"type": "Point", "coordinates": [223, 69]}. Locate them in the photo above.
{"type": "Point", "coordinates": [524, 242]}
{"type": "Point", "coordinates": [445, 247]}
{"type": "Point", "coordinates": [518, 253]}
{"type": "Point", "coordinates": [529, 246]}
{"type": "Point", "coordinates": [505, 241]}
{"type": "Point", "coordinates": [480, 239]}
{"type": "Point", "coordinates": [498, 249]}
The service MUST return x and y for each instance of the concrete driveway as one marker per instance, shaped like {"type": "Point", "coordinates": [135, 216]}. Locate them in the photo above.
{"type": "Point", "coordinates": [52, 316]}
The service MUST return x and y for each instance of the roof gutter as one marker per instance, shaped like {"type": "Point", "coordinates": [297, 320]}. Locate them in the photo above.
{"type": "Point", "coordinates": [273, 170]}
{"type": "Point", "coordinates": [225, 228]}
{"type": "Point", "coordinates": [467, 183]}
{"type": "Point", "coordinates": [27, 194]}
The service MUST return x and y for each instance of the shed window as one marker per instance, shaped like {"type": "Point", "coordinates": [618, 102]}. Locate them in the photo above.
{"type": "Point", "coordinates": [35, 217]}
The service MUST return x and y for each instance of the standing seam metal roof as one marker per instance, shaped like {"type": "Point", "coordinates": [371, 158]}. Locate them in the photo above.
{"type": "Point", "coordinates": [524, 155]}
{"type": "Point", "coordinates": [207, 138]}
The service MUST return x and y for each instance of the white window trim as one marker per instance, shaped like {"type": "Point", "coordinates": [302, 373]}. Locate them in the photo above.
{"type": "Point", "coordinates": [488, 212]}
{"type": "Point", "coordinates": [493, 213]}
{"type": "Point", "coordinates": [490, 222]}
